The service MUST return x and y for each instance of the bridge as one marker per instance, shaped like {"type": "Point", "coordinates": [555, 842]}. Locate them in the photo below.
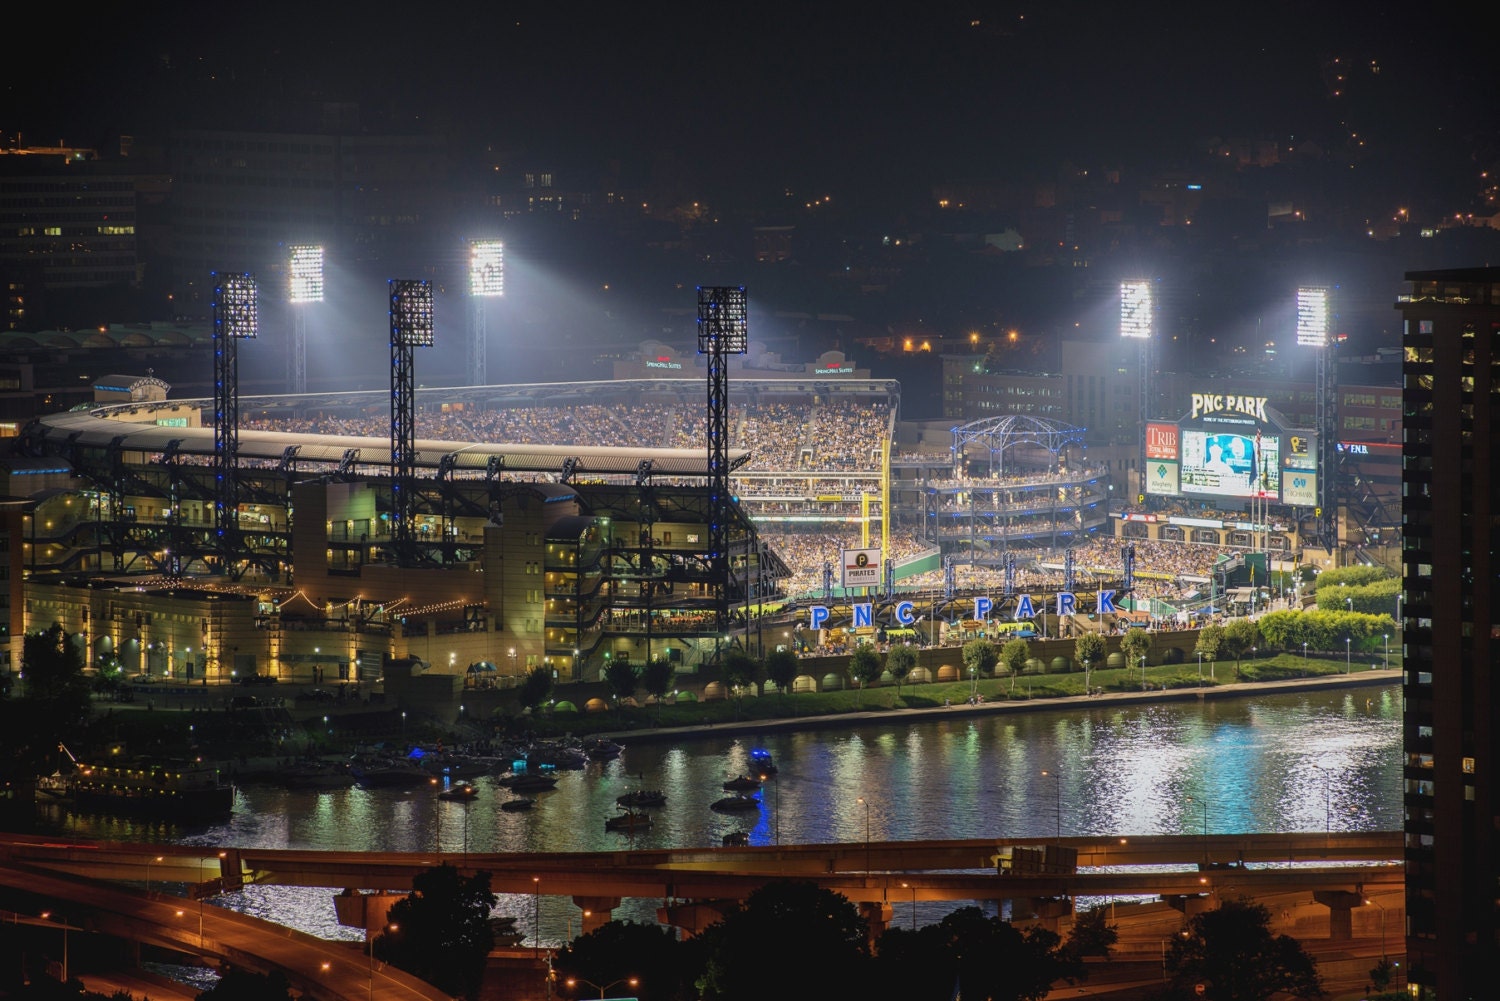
{"type": "Point", "coordinates": [695, 884]}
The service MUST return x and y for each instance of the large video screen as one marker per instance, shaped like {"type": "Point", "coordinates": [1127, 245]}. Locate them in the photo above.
{"type": "Point", "coordinates": [1225, 463]}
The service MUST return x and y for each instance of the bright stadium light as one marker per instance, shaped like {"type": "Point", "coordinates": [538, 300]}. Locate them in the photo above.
{"type": "Point", "coordinates": [1312, 317]}
{"type": "Point", "coordinates": [1135, 309]}
{"type": "Point", "coordinates": [487, 268]}
{"type": "Point", "coordinates": [306, 271]}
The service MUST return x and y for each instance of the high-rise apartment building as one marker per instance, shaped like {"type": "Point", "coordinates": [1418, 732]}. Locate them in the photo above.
{"type": "Point", "coordinates": [1451, 413]}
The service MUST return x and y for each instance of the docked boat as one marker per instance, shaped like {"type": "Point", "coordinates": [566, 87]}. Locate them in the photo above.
{"type": "Point", "coordinates": [460, 792]}
{"type": "Point", "coordinates": [601, 749]}
{"type": "Point", "coordinates": [761, 762]}
{"type": "Point", "coordinates": [629, 821]}
{"type": "Point", "coordinates": [386, 772]}
{"type": "Point", "coordinates": [736, 804]}
{"type": "Point", "coordinates": [315, 775]}
{"type": "Point", "coordinates": [642, 797]}
{"type": "Point", "coordinates": [742, 783]}
{"type": "Point", "coordinates": [517, 804]}
{"type": "Point", "coordinates": [736, 839]}
{"type": "Point", "coordinates": [528, 782]}
{"type": "Point", "coordinates": [179, 790]}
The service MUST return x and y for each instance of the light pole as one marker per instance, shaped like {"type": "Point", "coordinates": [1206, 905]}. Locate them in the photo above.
{"type": "Point", "coordinates": [777, 807]}
{"type": "Point", "coordinates": [1200, 668]}
{"type": "Point", "coordinates": [1327, 801]}
{"type": "Point", "coordinates": [1348, 665]}
{"type": "Point", "coordinates": [1143, 672]}
{"type": "Point", "coordinates": [1057, 786]}
{"type": "Point", "coordinates": [536, 913]}
{"type": "Point", "coordinates": [47, 916]}
{"type": "Point", "coordinates": [867, 831]}
{"type": "Point", "coordinates": [370, 990]}
{"type": "Point", "coordinates": [438, 812]}
{"type": "Point", "coordinates": [1387, 638]}
{"type": "Point", "coordinates": [149, 862]}
{"type": "Point", "coordinates": [1372, 900]}
{"type": "Point", "coordinates": [575, 981]}
{"type": "Point", "coordinates": [913, 889]}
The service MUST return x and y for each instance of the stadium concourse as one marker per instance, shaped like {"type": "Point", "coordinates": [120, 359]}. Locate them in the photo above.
{"type": "Point", "coordinates": [604, 482]}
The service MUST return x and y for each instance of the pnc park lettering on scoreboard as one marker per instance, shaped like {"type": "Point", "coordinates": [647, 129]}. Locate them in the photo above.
{"type": "Point", "coordinates": [1027, 607]}
{"type": "Point", "coordinates": [1219, 403]}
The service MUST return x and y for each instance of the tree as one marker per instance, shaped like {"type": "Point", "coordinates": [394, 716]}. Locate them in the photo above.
{"type": "Point", "coordinates": [245, 985]}
{"type": "Point", "coordinates": [52, 660]}
{"type": "Point", "coordinates": [1231, 951]}
{"type": "Point", "coordinates": [620, 950]}
{"type": "Point", "coordinates": [1089, 649]}
{"type": "Point", "coordinates": [864, 668]}
{"type": "Point", "coordinates": [813, 931]}
{"type": "Point", "coordinates": [442, 931]}
{"type": "Point", "coordinates": [782, 668]}
{"type": "Point", "coordinates": [739, 671]}
{"type": "Point", "coordinates": [1210, 640]}
{"type": "Point", "coordinates": [658, 678]}
{"type": "Point", "coordinates": [980, 657]}
{"type": "Point", "coordinates": [1092, 935]}
{"type": "Point", "coordinates": [535, 688]}
{"type": "Point", "coordinates": [1135, 644]}
{"type": "Point", "coordinates": [1239, 636]}
{"type": "Point", "coordinates": [986, 956]}
{"type": "Point", "coordinates": [622, 679]}
{"type": "Point", "coordinates": [1014, 655]}
{"type": "Point", "coordinates": [900, 661]}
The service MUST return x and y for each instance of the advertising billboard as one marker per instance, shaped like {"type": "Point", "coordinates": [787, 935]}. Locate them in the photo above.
{"type": "Point", "coordinates": [861, 567]}
{"type": "Point", "coordinates": [1161, 441]}
{"type": "Point", "coordinates": [1227, 464]}
{"type": "Point", "coordinates": [1161, 478]}
{"type": "Point", "coordinates": [1300, 488]}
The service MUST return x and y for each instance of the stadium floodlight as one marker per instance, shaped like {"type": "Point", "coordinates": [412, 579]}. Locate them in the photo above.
{"type": "Point", "coordinates": [306, 274]}
{"type": "Point", "coordinates": [1135, 309]}
{"type": "Point", "coordinates": [487, 267]}
{"type": "Point", "coordinates": [411, 312]}
{"type": "Point", "coordinates": [1312, 317]}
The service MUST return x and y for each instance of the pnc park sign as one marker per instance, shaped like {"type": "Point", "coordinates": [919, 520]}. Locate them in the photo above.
{"type": "Point", "coordinates": [1027, 607]}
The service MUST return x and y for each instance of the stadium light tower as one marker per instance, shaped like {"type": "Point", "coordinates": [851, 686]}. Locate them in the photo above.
{"type": "Point", "coordinates": [486, 280]}
{"type": "Point", "coordinates": [723, 330]}
{"type": "Point", "coordinates": [1313, 323]}
{"type": "Point", "coordinates": [411, 328]}
{"type": "Point", "coordinates": [1136, 324]}
{"type": "Point", "coordinates": [236, 316]}
{"type": "Point", "coordinates": [304, 286]}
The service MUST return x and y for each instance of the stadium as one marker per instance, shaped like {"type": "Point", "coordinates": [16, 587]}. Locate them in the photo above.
{"type": "Point", "coordinates": [568, 525]}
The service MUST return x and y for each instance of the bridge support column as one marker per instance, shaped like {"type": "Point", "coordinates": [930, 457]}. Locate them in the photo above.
{"type": "Point", "coordinates": [877, 913]}
{"type": "Point", "coordinates": [231, 870]}
{"type": "Point", "coordinates": [1190, 905]}
{"type": "Point", "coordinates": [365, 910]}
{"type": "Point", "coordinates": [692, 916]}
{"type": "Point", "coordinates": [1051, 911]}
{"type": "Point", "coordinates": [597, 911]}
{"type": "Point", "coordinates": [1340, 904]}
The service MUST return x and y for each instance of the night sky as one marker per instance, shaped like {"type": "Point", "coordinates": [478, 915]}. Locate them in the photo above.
{"type": "Point", "coordinates": [761, 97]}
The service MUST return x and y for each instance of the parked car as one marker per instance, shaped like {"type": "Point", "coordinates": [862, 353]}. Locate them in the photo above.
{"type": "Point", "coordinates": [315, 695]}
{"type": "Point", "coordinates": [257, 679]}
{"type": "Point", "coordinates": [244, 702]}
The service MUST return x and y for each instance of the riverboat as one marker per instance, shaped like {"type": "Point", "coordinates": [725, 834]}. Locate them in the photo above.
{"type": "Point", "coordinates": [761, 762]}
{"type": "Point", "coordinates": [736, 804]}
{"type": "Point", "coordinates": [629, 821]}
{"type": "Point", "coordinates": [460, 792]}
{"type": "Point", "coordinates": [517, 804]}
{"type": "Point", "coordinates": [178, 790]}
{"type": "Point", "coordinates": [642, 797]}
{"type": "Point", "coordinates": [527, 782]}
{"type": "Point", "coordinates": [742, 783]}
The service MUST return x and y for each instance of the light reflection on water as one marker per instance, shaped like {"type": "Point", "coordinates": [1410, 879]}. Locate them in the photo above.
{"type": "Point", "coordinates": [1301, 761]}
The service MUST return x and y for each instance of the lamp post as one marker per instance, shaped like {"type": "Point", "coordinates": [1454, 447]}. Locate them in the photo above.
{"type": "Point", "coordinates": [777, 806]}
{"type": "Point", "coordinates": [1348, 665]}
{"type": "Point", "coordinates": [575, 981]}
{"type": "Point", "coordinates": [1327, 801]}
{"type": "Point", "coordinates": [438, 812]}
{"type": "Point", "coordinates": [1143, 672]}
{"type": "Point", "coordinates": [1372, 900]}
{"type": "Point", "coordinates": [1057, 786]}
{"type": "Point", "coordinates": [906, 886]}
{"type": "Point", "coordinates": [1386, 637]}
{"type": "Point", "coordinates": [1200, 668]}
{"type": "Point", "coordinates": [536, 913]}
{"type": "Point", "coordinates": [149, 862]}
{"type": "Point", "coordinates": [47, 916]}
{"type": "Point", "coordinates": [867, 831]}
{"type": "Point", "coordinates": [370, 990]}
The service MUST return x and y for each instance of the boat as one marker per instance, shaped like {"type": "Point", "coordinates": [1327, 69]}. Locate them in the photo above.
{"type": "Point", "coordinates": [736, 839]}
{"type": "Point", "coordinates": [642, 797]}
{"type": "Point", "coordinates": [379, 772]}
{"type": "Point", "coordinates": [517, 804]}
{"type": "Point", "coordinates": [761, 762]}
{"type": "Point", "coordinates": [460, 792]}
{"type": "Point", "coordinates": [742, 783]}
{"type": "Point", "coordinates": [736, 804]}
{"type": "Point", "coordinates": [629, 821]}
{"type": "Point", "coordinates": [179, 790]}
{"type": "Point", "coordinates": [527, 782]}
{"type": "Point", "coordinates": [315, 775]}
{"type": "Point", "coordinates": [601, 749]}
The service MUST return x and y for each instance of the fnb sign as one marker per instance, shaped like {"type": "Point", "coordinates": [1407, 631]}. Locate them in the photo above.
{"type": "Point", "coordinates": [1161, 441]}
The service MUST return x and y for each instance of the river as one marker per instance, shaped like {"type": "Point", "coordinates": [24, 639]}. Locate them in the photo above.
{"type": "Point", "coordinates": [1328, 759]}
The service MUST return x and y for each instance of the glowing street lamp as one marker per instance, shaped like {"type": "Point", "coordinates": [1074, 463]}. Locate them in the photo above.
{"type": "Point", "coordinates": [149, 863]}
{"type": "Point", "coordinates": [370, 990]}
{"type": "Point", "coordinates": [867, 831]}
{"type": "Point", "coordinates": [1348, 649]}
{"type": "Point", "coordinates": [575, 981]}
{"type": "Point", "coordinates": [1057, 786]}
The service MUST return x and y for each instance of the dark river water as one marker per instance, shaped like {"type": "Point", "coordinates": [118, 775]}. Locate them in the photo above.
{"type": "Point", "coordinates": [1304, 761]}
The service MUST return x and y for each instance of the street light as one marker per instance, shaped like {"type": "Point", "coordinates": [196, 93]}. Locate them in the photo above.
{"type": "Point", "coordinates": [536, 914]}
{"type": "Point", "coordinates": [575, 981]}
{"type": "Point", "coordinates": [777, 807]}
{"type": "Point", "coordinates": [1348, 667]}
{"type": "Point", "coordinates": [47, 916]}
{"type": "Point", "coordinates": [149, 861]}
{"type": "Point", "coordinates": [1200, 668]}
{"type": "Point", "coordinates": [1372, 900]}
{"type": "Point", "coordinates": [867, 831]}
{"type": "Point", "coordinates": [913, 889]}
{"type": "Point", "coordinates": [1387, 638]}
{"type": "Point", "coordinates": [1057, 785]}
{"type": "Point", "coordinates": [370, 990]}
{"type": "Point", "coordinates": [1327, 801]}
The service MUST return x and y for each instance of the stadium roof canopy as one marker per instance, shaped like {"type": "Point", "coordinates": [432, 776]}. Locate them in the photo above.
{"type": "Point", "coordinates": [95, 429]}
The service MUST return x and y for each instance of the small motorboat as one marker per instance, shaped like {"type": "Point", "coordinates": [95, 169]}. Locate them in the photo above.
{"type": "Point", "coordinates": [736, 804]}
{"type": "Point", "coordinates": [736, 839]}
{"type": "Point", "coordinates": [517, 804]}
{"type": "Point", "coordinates": [460, 792]}
{"type": "Point", "coordinates": [528, 782]}
{"type": "Point", "coordinates": [629, 821]}
{"type": "Point", "coordinates": [761, 762]}
{"type": "Point", "coordinates": [742, 783]}
{"type": "Point", "coordinates": [642, 797]}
